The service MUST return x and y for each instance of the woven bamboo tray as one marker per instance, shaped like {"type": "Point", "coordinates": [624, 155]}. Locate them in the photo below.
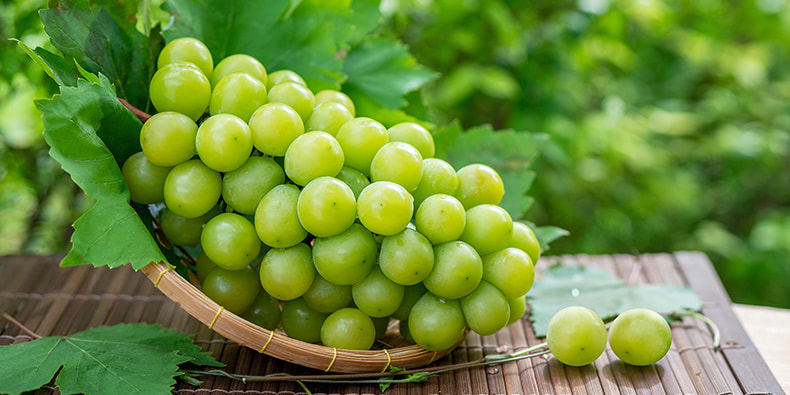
{"type": "Point", "coordinates": [276, 343]}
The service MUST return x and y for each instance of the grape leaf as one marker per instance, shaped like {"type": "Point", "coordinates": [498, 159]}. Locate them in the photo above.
{"type": "Point", "coordinates": [599, 290]}
{"type": "Point", "coordinates": [121, 359]}
{"type": "Point", "coordinates": [60, 69]}
{"type": "Point", "coordinates": [509, 152]}
{"type": "Point", "coordinates": [89, 133]}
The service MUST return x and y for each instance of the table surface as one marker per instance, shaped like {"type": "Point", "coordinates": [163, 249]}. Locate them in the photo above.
{"type": "Point", "coordinates": [56, 301]}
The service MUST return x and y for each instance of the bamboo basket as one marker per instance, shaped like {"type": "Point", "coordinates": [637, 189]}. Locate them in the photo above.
{"type": "Point", "coordinates": [277, 344]}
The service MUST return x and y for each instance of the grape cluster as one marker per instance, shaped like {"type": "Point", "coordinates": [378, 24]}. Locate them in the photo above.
{"type": "Point", "coordinates": [318, 220]}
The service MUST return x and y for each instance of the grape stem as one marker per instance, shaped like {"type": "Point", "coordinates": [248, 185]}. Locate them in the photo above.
{"type": "Point", "coordinates": [140, 114]}
{"type": "Point", "coordinates": [19, 325]}
{"type": "Point", "coordinates": [713, 327]}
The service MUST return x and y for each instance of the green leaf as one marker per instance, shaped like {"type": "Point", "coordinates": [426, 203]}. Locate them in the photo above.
{"type": "Point", "coordinates": [89, 133]}
{"type": "Point", "coordinates": [599, 290]}
{"type": "Point", "coordinates": [58, 68]}
{"type": "Point", "coordinates": [547, 234]}
{"type": "Point", "coordinates": [509, 152]}
{"type": "Point", "coordinates": [121, 359]}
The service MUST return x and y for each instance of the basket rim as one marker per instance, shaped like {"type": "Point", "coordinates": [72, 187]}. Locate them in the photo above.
{"type": "Point", "coordinates": [277, 345]}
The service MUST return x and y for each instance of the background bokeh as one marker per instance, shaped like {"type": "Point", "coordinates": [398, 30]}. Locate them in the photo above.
{"type": "Point", "coordinates": [668, 122]}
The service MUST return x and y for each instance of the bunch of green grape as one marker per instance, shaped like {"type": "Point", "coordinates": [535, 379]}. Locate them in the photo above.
{"type": "Point", "coordinates": [323, 222]}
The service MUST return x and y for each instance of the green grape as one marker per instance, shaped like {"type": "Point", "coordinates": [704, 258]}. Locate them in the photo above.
{"type": "Point", "coordinates": [397, 162]}
{"type": "Point", "coordinates": [385, 208]}
{"type": "Point", "coordinates": [346, 258]}
{"type": "Point", "coordinates": [403, 329]}
{"type": "Point", "coordinates": [361, 138]}
{"type": "Point", "coordinates": [274, 126]}
{"type": "Point", "coordinates": [518, 306]}
{"type": "Point", "coordinates": [182, 88]}
{"type": "Point", "coordinates": [354, 179]}
{"type": "Point", "coordinates": [203, 265]}
{"type": "Point", "coordinates": [281, 76]}
{"type": "Point", "coordinates": [488, 228]}
{"type": "Point", "coordinates": [441, 218]}
{"type": "Point", "coordinates": [381, 324]}
{"type": "Point", "coordinates": [187, 49]}
{"type": "Point", "coordinates": [192, 189]}
{"type": "Point", "coordinates": [414, 134]}
{"type": "Point", "coordinates": [182, 231]}
{"type": "Point", "coordinates": [438, 177]}
{"type": "Point", "coordinates": [327, 297]}
{"type": "Point", "coordinates": [328, 117]}
{"type": "Point", "coordinates": [524, 239]}
{"type": "Point", "coordinates": [436, 324]}
{"type": "Point", "coordinates": [243, 188]}
{"type": "Point", "coordinates": [479, 184]}
{"type": "Point", "coordinates": [457, 269]}
{"type": "Point", "coordinates": [239, 63]}
{"type": "Point", "coordinates": [264, 312]}
{"type": "Point", "coordinates": [411, 294]}
{"type": "Point", "coordinates": [333, 96]}
{"type": "Point", "coordinates": [168, 138]}
{"type": "Point", "coordinates": [224, 142]}
{"type": "Point", "coordinates": [486, 310]}
{"type": "Point", "coordinates": [376, 295]}
{"type": "Point", "coordinates": [287, 273]}
{"type": "Point", "coordinates": [233, 289]}
{"type": "Point", "coordinates": [230, 241]}
{"type": "Point", "coordinates": [239, 94]}
{"type": "Point", "coordinates": [406, 257]}
{"type": "Point", "coordinates": [510, 270]}
{"type": "Point", "coordinates": [349, 329]}
{"type": "Point", "coordinates": [312, 155]}
{"type": "Point", "coordinates": [145, 180]}
{"type": "Point", "coordinates": [640, 337]}
{"type": "Point", "coordinates": [576, 336]}
{"type": "Point", "coordinates": [296, 95]}
{"type": "Point", "coordinates": [276, 221]}
{"type": "Point", "coordinates": [301, 322]}
{"type": "Point", "coordinates": [326, 207]}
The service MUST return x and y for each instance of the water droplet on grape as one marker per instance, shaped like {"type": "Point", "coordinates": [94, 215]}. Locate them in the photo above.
{"type": "Point", "coordinates": [575, 292]}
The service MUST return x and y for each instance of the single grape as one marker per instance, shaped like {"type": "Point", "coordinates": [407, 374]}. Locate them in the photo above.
{"type": "Point", "coordinates": [510, 270]}
{"type": "Point", "coordinates": [296, 95]}
{"type": "Point", "coordinates": [182, 231]}
{"type": "Point", "coordinates": [326, 207]}
{"type": "Point", "coordinates": [457, 269]}
{"type": "Point", "coordinates": [441, 218]}
{"type": "Point", "coordinates": [287, 273]}
{"type": "Point", "coordinates": [376, 295]}
{"type": "Point", "coordinates": [233, 289]}
{"type": "Point", "coordinates": [524, 239]}
{"type": "Point", "coordinates": [436, 324]}
{"type": "Point", "coordinates": [168, 138]}
{"type": "Point", "coordinates": [403, 329]}
{"type": "Point", "coordinates": [145, 180]}
{"type": "Point", "coordinates": [328, 117]}
{"type": "Point", "coordinates": [360, 139]}
{"type": "Point", "coordinates": [203, 265]}
{"type": "Point", "coordinates": [239, 94]}
{"type": "Point", "coordinates": [312, 155]}
{"type": "Point", "coordinates": [182, 88]}
{"type": "Point", "coordinates": [397, 162]}
{"type": "Point", "coordinates": [192, 189]}
{"type": "Point", "coordinates": [518, 306]}
{"type": "Point", "coordinates": [333, 96]}
{"type": "Point", "coordinates": [280, 76]}
{"type": "Point", "coordinates": [187, 49]}
{"type": "Point", "coordinates": [438, 177]}
{"type": "Point", "coordinates": [243, 188]}
{"type": "Point", "coordinates": [224, 142]}
{"type": "Point", "coordinates": [264, 312]}
{"type": "Point", "coordinates": [346, 258]}
{"type": "Point", "coordinates": [327, 297]}
{"type": "Point", "coordinates": [301, 322]}
{"type": "Point", "coordinates": [230, 241]}
{"type": "Point", "coordinates": [349, 329]}
{"type": "Point", "coordinates": [411, 294]}
{"type": "Point", "coordinates": [640, 337]}
{"type": "Point", "coordinates": [406, 257]}
{"type": "Point", "coordinates": [276, 220]}
{"type": "Point", "coordinates": [488, 228]}
{"type": "Point", "coordinates": [479, 184]}
{"type": "Point", "coordinates": [381, 324]}
{"type": "Point", "coordinates": [274, 126]}
{"type": "Point", "coordinates": [576, 336]}
{"type": "Point", "coordinates": [354, 179]}
{"type": "Point", "coordinates": [385, 207]}
{"type": "Point", "coordinates": [414, 134]}
{"type": "Point", "coordinates": [239, 63]}
{"type": "Point", "coordinates": [486, 310]}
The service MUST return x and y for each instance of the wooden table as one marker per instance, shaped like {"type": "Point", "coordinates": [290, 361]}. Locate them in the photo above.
{"type": "Point", "coordinates": [56, 301]}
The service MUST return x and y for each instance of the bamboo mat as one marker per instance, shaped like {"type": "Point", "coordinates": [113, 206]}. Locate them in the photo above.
{"type": "Point", "coordinates": [56, 301]}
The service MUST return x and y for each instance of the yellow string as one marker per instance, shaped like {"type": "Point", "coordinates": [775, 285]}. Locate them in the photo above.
{"type": "Point", "coordinates": [334, 357]}
{"type": "Point", "coordinates": [389, 361]}
{"type": "Point", "coordinates": [271, 335]}
{"type": "Point", "coordinates": [162, 273]}
{"type": "Point", "coordinates": [432, 358]}
{"type": "Point", "coordinates": [211, 325]}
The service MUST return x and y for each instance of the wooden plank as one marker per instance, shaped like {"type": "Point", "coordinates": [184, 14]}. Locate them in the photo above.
{"type": "Point", "coordinates": [772, 341]}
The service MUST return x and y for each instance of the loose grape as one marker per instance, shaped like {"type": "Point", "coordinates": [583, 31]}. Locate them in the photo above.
{"type": "Point", "coordinates": [287, 273]}
{"type": "Point", "coordinates": [346, 258]}
{"type": "Point", "coordinates": [239, 63]}
{"type": "Point", "coordinates": [524, 239]}
{"type": "Point", "coordinates": [239, 94]}
{"type": "Point", "coordinates": [576, 336]}
{"type": "Point", "coordinates": [354, 179]}
{"type": "Point", "coordinates": [301, 322]}
{"type": "Point", "coordinates": [296, 95]}
{"type": "Point", "coordinates": [406, 257]}
{"type": "Point", "coordinates": [488, 228]}
{"type": "Point", "coordinates": [518, 306]}
{"type": "Point", "coordinates": [184, 231]}
{"type": "Point", "coordinates": [441, 218]}
{"type": "Point", "coordinates": [414, 134]}
{"type": "Point", "coordinates": [510, 270]}
{"type": "Point", "coordinates": [411, 294]}
{"type": "Point", "coordinates": [274, 126]}
{"type": "Point", "coordinates": [349, 329]}
{"type": "Point", "coordinates": [479, 184]}
{"type": "Point", "coordinates": [385, 207]}
{"type": "Point", "coordinates": [326, 207]}
{"type": "Point", "coordinates": [436, 324]}
{"type": "Point", "coordinates": [233, 289]}
{"type": "Point", "coordinates": [243, 188]}
{"type": "Point", "coordinates": [264, 312]}
{"type": "Point", "coordinates": [361, 138]}
{"type": "Point", "coordinates": [333, 96]}
{"type": "Point", "coordinates": [168, 138]}
{"type": "Point", "coordinates": [182, 88]}
{"type": "Point", "coordinates": [486, 310]}
{"type": "Point", "coordinates": [640, 337]}
{"type": "Point", "coordinates": [457, 269]}
{"type": "Point", "coordinates": [438, 177]}
{"type": "Point", "coordinates": [230, 241]}
{"type": "Point", "coordinates": [328, 117]}
{"type": "Point", "coordinates": [397, 162]}
{"type": "Point", "coordinates": [145, 180]}
{"type": "Point", "coordinates": [376, 295]}
{"type": "Point", "coordinates": [224, 142]}
{"type": "Point", "coordinates": [327, 297]}
{"type": "Point", "coordinates": [187, 49]}
{"type": "Point", "coordinates": [280, 76]}
{"type": "Point", "coordinates": [192, 189]}
{"type": "Point", "coordinates": [312, 155]}
{"type": "Point", "coordinates": [276, 220]}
